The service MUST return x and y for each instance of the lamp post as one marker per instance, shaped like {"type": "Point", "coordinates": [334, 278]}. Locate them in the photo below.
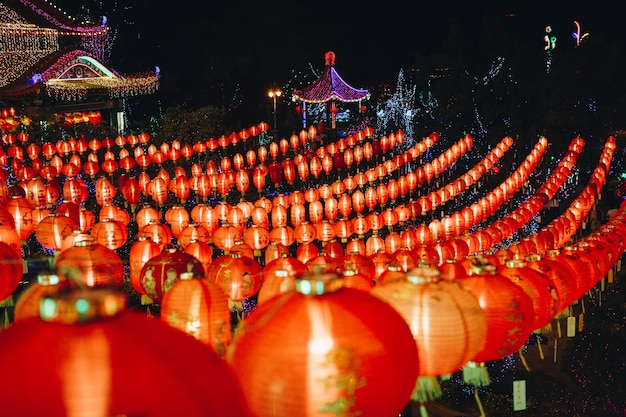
{"type": "Point", "coordinates": [274, 94]}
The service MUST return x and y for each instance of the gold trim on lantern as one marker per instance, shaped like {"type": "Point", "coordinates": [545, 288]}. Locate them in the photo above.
{"type": "Point", "coordinates": [72, 306]}
{"type": "Point", "coordinates": [319, 284]}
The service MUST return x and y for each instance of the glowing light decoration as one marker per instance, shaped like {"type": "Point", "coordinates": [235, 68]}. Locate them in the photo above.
{"type": "Point", "coordinates": [577, 34]}
{"type": "Point", "coordinates": [550, 40]}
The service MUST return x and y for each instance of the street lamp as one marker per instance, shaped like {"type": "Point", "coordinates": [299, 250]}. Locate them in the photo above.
{"type": "Point", "coordinates": [274, 94]}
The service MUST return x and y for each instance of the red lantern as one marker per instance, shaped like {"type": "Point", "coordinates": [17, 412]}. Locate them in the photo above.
{"type": "Point", "coordinates": [507, 308]}
{"type": "Point", "coordinates": [198, 307]}
{"type": "Point", "coordinates": [162, 271]}
{"type": "Point", "coordinates": [95, 321]}
{"type": "Point", "coordinates": [427, 303]}
{"type": "Point", "coordinates": [239, 276]}
{"type": "Point", "coordinates": [351, 321]}
{"type": "Point", "coordinates": [53, 229]}
{"type": "Point", "coordinates": [91, 263]}
{"type": "Point", "coordinates": [140, 252]}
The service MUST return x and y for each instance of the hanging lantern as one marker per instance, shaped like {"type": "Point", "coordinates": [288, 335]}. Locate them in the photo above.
{"type": "Point", "coordinates": [198, 307]}
{"type": "Point", "coordinates": [21, 210]}
{"type": "Point", "coordinates": [90, 263]}
{"type": "Point", "coordinates": [110, 233]}
{"type": "Point", "coordinates": [11, 269]}
{"type": "Point", "coordinates": [539, 288]}
{"type": "Point", "coordinates": [162, 271]}
{"type": "Point", "coordinates": [140, 252]}
{"type": "Point", "coordinates": [507, 308]}
{"type": "Point", "coordinates": [202, 251]}
{"type": "Point", "coordinates": [429, 303]}
{"type": "Point", "coordinates": [53, 229]}
{"type": "Point", "coordinates": [239, 276]}
{"type": "Point", "coordinates": [178, 218]}
{"type": "Point", "coordinates": [91, 338]}
{"type": "Point", "coordinates": [257, 238]}
{"type": "Point", "coordinates": [348, 376]}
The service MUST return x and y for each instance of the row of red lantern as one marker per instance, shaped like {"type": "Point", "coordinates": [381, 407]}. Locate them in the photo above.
{"type": "Point", "coordinates": [111, 162]}
{"type": "Point", "coordinates": [105, 192]}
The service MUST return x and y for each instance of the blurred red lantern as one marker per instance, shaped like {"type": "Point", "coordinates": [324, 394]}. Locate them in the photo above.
{"type": "Point", "coordinates": [73, 322]}
{"type": "Point", "coordinates": [91, 264]}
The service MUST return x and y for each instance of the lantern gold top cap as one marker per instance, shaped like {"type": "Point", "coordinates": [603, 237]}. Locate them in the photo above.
{"type": "Point", "coordinates": [423, 275]}
{"type": "Point", "coordinates": [316, 283]}
{"type": "Point", "coordinates": [74, 306]}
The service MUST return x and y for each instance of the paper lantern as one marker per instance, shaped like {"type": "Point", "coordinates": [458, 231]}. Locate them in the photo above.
{"type": "Point", "coordinates": [359, 263]}
{"type": "Point", "coordinates": [327, 348]}
{"type": "Point", "coordinates": [140, 252]}
{"type": "Point", "coordinates": [10, 270]}
{"type": "Point", "coordinates": [53, 229]}
{"type": "Point", "coordinates": [91, 264]}
{"type": "Point", "coordinates": [160, 233]}
{"type": "Point", "coordinates": [562, 277]}
{"type": "Point", "coordinates": [539, 288]}
{"type": "Point", "coordinates": [21, 210]}
{"type": "Point", "coordinates": [507, 309]}
{"type": "Point", "coordinates": [110, 233]}
{"type": "Point", "coordinates": [239, 276]}
{"type": "Point", "coordinates": [145, 215]}
{"type": "Point", "coordinates": [81, 347]}
{"type": "Point", "coordinates": [202, 251]}
{"type": "Point", "coordinates": [446, 320]}
{"type": "Point", "coordinates": [162, 271]}
{"type": "Point", "coordinates": [197, 306]}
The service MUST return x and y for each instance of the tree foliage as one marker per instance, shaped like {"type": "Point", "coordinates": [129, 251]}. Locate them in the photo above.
{"type": "Point", "coordinates": [191, 126]}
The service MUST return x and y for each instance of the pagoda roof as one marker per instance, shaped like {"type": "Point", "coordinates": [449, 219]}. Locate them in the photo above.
{"type": "Point", "coordinates": [330, 86]}
{"type": "Point", "coordinates": [44, 51]}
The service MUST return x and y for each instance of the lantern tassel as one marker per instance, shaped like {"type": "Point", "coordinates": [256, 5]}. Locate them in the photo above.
{"type": "Point", "coordinates": [523, 359]}
{"type": "Point", "coordinates": [145, 300]}
{"type": "Point", "coordinates": [540, 349]}
{"type": "Point", "coordinates": [476, 374]}
{"type": "Point", "coordinates": [7, 302]}
{"type": "Point", "coordinates": [555, 348]}
{"type": "Point", "coordinates": [423, 410]}
{"type": "Point", "coordinates": [426, 388]}
{"type": "Point", "coordinates": [479, 404]}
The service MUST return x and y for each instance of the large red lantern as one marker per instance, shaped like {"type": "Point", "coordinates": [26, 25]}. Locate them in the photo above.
{"type": "Point", "coordinates": [91, 337]}
{"type": "Point", "coordinates": [140, 252]}
{"type": "Point", "coordinates": [340, 349]}
{"type": "Point", "coordinates": [539, 288]}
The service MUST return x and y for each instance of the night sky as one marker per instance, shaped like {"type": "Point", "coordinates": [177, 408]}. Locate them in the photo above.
{"type": "Point", "coordinates": [254, 45]}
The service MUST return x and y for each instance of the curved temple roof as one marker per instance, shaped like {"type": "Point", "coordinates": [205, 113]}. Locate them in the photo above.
{"type": "Point", "coordinates": [330, 86]}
